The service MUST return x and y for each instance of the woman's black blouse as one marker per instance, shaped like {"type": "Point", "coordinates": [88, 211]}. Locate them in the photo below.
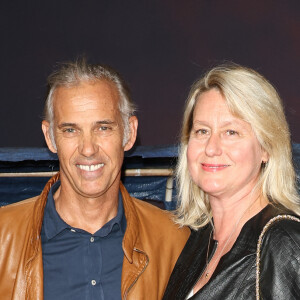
{"type": "Point", "coordinates": [234, 277]}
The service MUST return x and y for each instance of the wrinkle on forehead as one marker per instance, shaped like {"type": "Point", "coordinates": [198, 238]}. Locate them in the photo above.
{"type": "Point", "coordinates": [87, 96]}
{"type": "Point", "coordinates": [81, 104]}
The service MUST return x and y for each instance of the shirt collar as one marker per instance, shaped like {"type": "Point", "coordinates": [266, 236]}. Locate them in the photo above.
{"type": "Point", "coordinates": [115, 224]}
{"type": "Point", "coordinates": [53, 224]}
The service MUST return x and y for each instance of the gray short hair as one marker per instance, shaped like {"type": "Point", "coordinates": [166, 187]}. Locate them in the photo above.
{"type": "Point", "coordinates": [73, 73]}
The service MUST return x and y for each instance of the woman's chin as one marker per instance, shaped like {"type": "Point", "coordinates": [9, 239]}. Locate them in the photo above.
{"type": "Point", "coordinates": [213, 188]}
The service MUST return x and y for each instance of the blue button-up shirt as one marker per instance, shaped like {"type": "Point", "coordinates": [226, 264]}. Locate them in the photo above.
{"type": "Point", "coordinates": [80, 265]}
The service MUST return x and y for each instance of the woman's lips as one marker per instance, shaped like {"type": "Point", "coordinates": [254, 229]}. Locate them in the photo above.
{"type": "Point", "coordinates": [214, 167]}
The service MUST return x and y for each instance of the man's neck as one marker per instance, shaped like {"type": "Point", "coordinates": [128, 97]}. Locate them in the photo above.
{"type": "Point", "coordinates": [89, 214]}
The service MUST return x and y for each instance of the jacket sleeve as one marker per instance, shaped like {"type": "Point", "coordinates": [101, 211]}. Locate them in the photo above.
{"type": "Point", "coordinates": [280, 262]}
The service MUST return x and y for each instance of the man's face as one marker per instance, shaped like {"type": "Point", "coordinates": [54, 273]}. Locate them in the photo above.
{"type": "Point", "coordinates": [88, 132]}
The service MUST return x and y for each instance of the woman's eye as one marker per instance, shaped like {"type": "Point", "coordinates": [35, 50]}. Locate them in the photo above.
{"type": "Point", "coordinates": [231, 132]}
{"type": "Point", "coordinates": [202, 131]}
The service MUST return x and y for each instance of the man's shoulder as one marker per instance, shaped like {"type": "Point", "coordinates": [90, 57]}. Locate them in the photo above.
{"type": "Point", "coordinates": [17, 211]}
{"type": "Point", "coordinates": [20, 205]}
{"type": "Point", "coordinates": [154, 217]}
{"type": "Point", "coordinates": [144, 207]}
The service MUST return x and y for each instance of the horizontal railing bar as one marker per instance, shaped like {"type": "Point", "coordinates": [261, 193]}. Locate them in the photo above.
{"type": "Point", "coordinates": [127, 172]}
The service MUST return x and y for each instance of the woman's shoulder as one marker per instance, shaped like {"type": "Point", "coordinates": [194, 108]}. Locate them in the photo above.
{"type": "Point", "coordinates": [279, 257]}
{"type": "Point", "coordinates": [284, 229]}
{"type": "Point", "coordinates": [274, 227]}
{"type": "Point", "coordinates": [272, 214]}
{"type": "Point", "coordinates": [280, 240]}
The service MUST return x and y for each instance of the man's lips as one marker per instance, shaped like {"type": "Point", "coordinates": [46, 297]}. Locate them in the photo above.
{"type": "Point", "coordinates": [213, 167]}
{"type": "Point", "coordinates": [89, 168]}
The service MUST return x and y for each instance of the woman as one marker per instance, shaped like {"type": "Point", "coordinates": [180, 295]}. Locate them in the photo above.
{"type": "Point", "coordinates": [234, 174]}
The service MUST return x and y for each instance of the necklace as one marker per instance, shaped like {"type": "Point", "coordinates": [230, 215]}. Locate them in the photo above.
{"type": "Point", "coordinates": [208, 270]}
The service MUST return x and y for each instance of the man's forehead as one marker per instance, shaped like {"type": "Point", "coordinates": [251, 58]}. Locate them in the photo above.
{"type": "Point", "coordinates": [85, 94]}
{"type": "Point", "coordinates": [88, 102]}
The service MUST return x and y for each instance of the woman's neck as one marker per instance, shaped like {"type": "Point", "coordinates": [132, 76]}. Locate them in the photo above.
{"type": "Point", "coordinates": [230, 215]}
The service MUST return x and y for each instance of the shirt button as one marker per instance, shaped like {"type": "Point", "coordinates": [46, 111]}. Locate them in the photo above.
{"type": "Point", "coordinates": [93, 282]}
{"type": "Point", "coordinates": [92, 239]}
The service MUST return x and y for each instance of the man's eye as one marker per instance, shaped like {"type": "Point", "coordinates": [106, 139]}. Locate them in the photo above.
{"type": "Point", "coordinates": [105, 128]}
{"type": "Point", "coordinates": [69, 130]}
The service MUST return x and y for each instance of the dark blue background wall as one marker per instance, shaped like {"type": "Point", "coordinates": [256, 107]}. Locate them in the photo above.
{"type": "Point", "coordinates": [159, 46]}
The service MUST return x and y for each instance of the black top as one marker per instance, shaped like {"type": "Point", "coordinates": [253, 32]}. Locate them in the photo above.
{"type": "Point", "coordinates": [234, 277]}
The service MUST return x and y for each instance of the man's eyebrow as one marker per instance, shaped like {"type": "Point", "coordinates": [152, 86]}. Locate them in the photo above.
{"type": "Point", "coordinates": [66, 125]}
{"type": "Point", "coordinates": [100, 122]}
{"type": "Point", "coordinates": [108, 122]}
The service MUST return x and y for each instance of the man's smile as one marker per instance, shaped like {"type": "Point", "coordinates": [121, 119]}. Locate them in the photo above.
{"type": "Point", "coordinates": [90, 168]}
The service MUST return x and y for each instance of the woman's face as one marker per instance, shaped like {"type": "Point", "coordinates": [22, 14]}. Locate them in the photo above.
{"type": "Point", "coordinates": [224, 155]}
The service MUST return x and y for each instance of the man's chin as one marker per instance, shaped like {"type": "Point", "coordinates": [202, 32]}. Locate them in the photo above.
{"type": "Point", "coordinates": [91, 195]}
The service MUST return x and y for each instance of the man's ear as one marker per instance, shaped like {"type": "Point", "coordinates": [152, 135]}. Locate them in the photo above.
{"type": "Point", "coordinates": [46, 131]}
{"type": "Point", "coordinates": [133, 125]}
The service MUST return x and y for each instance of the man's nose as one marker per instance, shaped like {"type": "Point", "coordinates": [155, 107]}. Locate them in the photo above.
{"type": "Point", "coordinates": [213, 146]}
{"type": "Point", "coordinates": [88, 146]}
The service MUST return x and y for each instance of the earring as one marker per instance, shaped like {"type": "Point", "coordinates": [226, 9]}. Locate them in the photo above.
{"type": "Point", "coordinates": [264, 164]}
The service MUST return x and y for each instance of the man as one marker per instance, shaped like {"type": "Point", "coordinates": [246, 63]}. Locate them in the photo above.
{"type": "Point", "coordinates": [84, 237]}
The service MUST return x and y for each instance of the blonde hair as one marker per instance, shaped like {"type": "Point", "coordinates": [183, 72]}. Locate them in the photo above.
{"type": "Point", "coordinates": [252, 98]}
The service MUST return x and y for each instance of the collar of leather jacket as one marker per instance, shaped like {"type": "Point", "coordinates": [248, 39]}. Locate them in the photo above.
{"type": "Point", "coordinates": [130, 240]}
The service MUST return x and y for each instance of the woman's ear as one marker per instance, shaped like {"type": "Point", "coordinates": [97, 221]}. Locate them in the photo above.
{"type": "Point", "coordinates": [265, 156]}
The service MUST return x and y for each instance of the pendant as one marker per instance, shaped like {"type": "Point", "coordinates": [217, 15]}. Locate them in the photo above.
{"type": "Point", "coordinates": [206, 275]}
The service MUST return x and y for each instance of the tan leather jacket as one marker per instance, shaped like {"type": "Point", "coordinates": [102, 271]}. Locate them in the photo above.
{"type": "Point", "coordinates": [151, 245]}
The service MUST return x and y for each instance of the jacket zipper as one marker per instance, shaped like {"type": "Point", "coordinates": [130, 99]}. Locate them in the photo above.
{"type": "Point", "coordinates": [147, 262]}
